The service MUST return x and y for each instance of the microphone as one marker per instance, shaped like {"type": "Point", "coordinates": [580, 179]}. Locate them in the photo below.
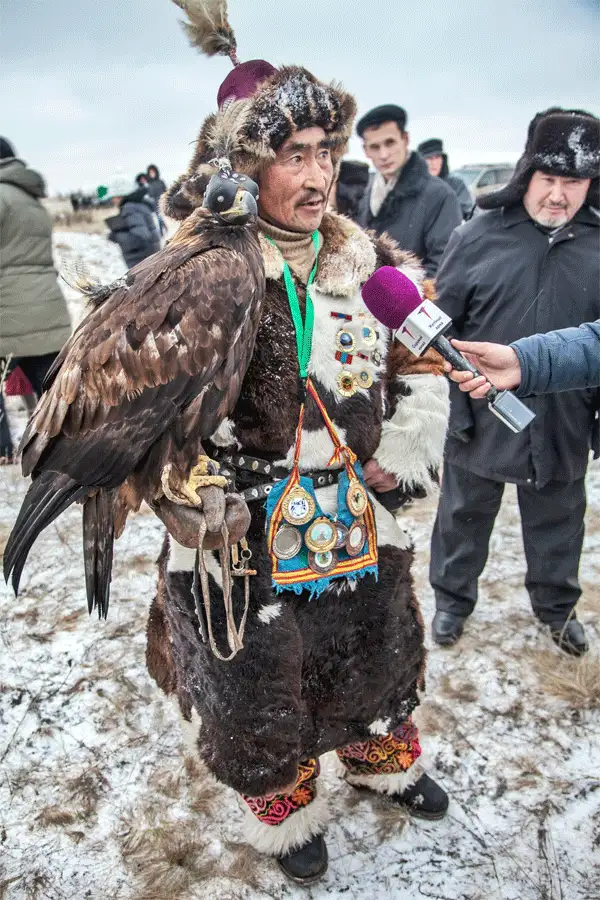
{"type": "Point", "coordinates": [419, 324]}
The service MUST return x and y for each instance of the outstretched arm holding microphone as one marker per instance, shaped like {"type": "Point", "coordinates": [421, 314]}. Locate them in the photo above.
{"type": "Point", "coordinates": [568, 359]}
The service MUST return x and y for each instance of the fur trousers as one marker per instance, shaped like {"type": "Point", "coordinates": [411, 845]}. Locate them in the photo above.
{"type": "Point", "coordinates": [385, 764]}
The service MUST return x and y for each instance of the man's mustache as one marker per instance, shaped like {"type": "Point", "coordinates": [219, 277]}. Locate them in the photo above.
{"type": "Point", "coordinates": [310, 197]}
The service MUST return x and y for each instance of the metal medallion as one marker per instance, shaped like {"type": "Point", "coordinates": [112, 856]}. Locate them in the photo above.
{"type": "Point", "coordinates": [346, 383]}
{"type": "Point", "coordinates": [357, 499]}
{"type": "Point", "coordinates": [364, 378]}
{"type": "Point", "coordinates": [323, 561]}
{"type": "Point", "coordinates": [287, 542]}
{"type": "Point", "coordinates": [369, 336]}
{"type": "Point", "coordinates": [376, 357]}
{"type": "Point", "coordinates": [298, 508]}
{"type": "Point", "coordinates": [345, 340]}
{"type": "Point", "coordinates": [342, 536]}
{"type": "Point", "coordinates": [321, 535]}
{"type": "Point", "coordinates": [357, 535]}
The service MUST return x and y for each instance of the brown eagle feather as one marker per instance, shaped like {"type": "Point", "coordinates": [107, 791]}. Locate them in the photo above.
{"type": "Point", "coordinates": [146, 377]}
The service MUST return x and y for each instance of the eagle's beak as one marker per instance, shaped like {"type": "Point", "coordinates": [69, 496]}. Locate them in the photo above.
{"type": "Point", "coordinates": [242, 209]}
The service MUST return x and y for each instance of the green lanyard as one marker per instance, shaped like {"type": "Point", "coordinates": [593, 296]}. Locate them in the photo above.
{"type": "Point", "coordinates": [304, 330]}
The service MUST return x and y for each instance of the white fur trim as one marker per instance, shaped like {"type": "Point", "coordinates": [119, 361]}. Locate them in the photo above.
{"type": "Point", "coordinates": [316, 451]}
{"type": "Point", "coordinates": [189, 730]}
{"type": "Point", "coordinates": [412, 441]}
{"type": "Point", "coordinates": [323, 364]}
{"type": "Point", "coordinates": [272, 258]}
{"type": "Point", "coordinates": [343, 271]}
{"type": "Point", "coordinates": [224, 435]}
{"type": "Point", "coordinates": [269, 612]}
{"type": "Point", "coordinates": [395, 783]}
{"type": "Point", "coordinates": [293, 832]}
{"type": "Point", "coordinates": [181, 559]}
{"type": "Point", "coordinates": [380, 726]}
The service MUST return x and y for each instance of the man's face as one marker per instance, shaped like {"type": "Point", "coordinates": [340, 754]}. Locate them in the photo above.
{"type": "Point", "coordinates": [552, 200]}
{"type": "Point", "coordinates": [294, 188]}
{"type": "Point", "coordinates": [152, 173]}
{"type": "Point", "coordinates": [387, 147]}
{"type": "Point", "coordinates": [434, 164]}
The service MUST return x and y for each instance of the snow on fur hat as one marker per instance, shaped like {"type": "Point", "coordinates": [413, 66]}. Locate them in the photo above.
{"type": "Point", "coordinates": [260, 107]}
{"type": "Point", "coordinates": [562, 142]}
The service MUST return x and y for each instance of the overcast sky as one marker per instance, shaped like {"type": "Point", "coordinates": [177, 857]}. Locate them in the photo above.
{"type": "Point", "coordinates": [92, 87]}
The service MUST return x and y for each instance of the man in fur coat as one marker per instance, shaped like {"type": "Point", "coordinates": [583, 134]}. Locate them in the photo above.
{"type": "Point", "coordinates": [339, 671]}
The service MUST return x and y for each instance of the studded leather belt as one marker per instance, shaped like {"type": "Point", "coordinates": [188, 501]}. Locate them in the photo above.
{"type": "Point", "coordinates": [242, 466]}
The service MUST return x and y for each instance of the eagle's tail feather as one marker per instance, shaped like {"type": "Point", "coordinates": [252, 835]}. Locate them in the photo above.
{"type": "Point", "coordinates": [98, 541]}
{"type": "Point", "coordinates": [48, 496]}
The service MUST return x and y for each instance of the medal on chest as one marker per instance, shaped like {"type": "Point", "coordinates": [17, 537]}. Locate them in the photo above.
{"type": "Point", "coordinates": [309, 548]}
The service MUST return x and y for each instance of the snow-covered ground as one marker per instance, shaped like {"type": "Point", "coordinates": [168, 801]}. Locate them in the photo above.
{"type": "Point", "coordinates": [97, 800]}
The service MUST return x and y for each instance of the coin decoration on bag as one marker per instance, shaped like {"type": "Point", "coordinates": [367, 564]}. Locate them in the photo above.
{"type": "Point", "coordinates": [322, 561]}
{"type": "Point", "coordinates": [298, 508]}
{"type": "Point", "coordinates": [287, 542]}
{"type": "Point", "coordinates": [321, 535]}
{"type": "Point", "coordinates": [357, 535]}
{"type": "Point", "coordinates": [356, 497]}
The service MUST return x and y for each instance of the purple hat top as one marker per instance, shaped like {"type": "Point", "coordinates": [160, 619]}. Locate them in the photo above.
{"type": "Point", "coordinates": [243, 80]}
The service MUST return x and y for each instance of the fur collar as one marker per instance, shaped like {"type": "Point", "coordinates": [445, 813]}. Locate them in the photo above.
{"type": "Point", "coordinates": [348, 256]}
{"type": "Point", "coordinates": [346, 259]}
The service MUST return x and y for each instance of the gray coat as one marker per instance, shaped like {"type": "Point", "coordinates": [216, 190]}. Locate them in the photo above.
{"type": "Point", "coordinates": [503, 278]}
{"type": "Point", "coordinates": [34, 319]}
{"type": "Point", "coordinates": [560, 360]}
{"type": "Point", "coordinates": [420, 213]}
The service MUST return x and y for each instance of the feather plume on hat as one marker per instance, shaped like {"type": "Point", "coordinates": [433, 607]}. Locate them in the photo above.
{"type": "Point", "coordinates": [208, 28]}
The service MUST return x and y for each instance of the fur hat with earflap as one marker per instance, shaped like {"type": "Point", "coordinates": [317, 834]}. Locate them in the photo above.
{"type": "Point", "coordinates": [260, 107]}
{"type": "Point", "coordinates": [563, 142]}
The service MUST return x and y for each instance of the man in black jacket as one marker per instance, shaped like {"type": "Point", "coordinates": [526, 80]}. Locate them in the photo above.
{"type": "Point", "coordinates": [530, 264]}
{"type": "Point", "coordinates": [402, 198]}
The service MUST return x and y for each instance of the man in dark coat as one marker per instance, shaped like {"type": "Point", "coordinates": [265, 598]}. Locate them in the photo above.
{"type": "Point", "coordinates": [135, 228]}
{"type": "Point", "coordinates": [432, 152]}
{"type": "Point", "coordinates": [403, 199]}
{"type": "Point", "coordinates": [529, 264]}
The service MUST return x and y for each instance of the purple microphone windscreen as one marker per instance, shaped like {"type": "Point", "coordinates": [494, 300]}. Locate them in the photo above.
{"type": "Point", "coordinates": [390, 296]}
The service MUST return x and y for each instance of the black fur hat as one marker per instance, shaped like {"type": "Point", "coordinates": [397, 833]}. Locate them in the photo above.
{"type": "Point", "coordinates": [560, 142]}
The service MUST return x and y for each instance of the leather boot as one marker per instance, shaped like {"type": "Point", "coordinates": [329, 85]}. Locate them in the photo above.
{"type": "Point", "coordinates": [307, 863]}
{"type": "Point", "coordinates": [446, 628]}
{"type": "Point", "coordinates": [570, 637]}
{"type": "Point", "coordinates": [424, 799]}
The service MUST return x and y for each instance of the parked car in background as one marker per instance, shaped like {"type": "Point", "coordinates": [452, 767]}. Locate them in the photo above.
{"type": "Point", "coordinates": [482, 179]}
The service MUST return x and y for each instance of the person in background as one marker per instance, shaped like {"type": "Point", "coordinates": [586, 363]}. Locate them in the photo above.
{"type": "Point", "coordinates": [34, 319]}
{"type": "Point", "coordinates": [437, 162]}
{"type": "Point", "coordinates": [134, 229]}
{"type": "Point", "coordinates": [529, 263]}
{"type": "Point", "coordinates": [156, 188]}
{"type": "Point", "coordinates": [142, 181]}
{"type": "Point", "coordinates": [563, 360]}
{"type": "Point", "coordinates": [350, 186]}
{"type": "Point", "coordinates": [420, 212]}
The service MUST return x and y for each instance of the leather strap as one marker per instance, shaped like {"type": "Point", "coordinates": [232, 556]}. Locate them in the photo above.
{"type": "Point", "coordinates": [232, 461]}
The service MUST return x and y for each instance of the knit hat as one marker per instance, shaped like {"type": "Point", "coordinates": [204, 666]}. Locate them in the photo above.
{"type": "Point", "coordinates": [380, 114]}
{"type": "Point", "coordinates": [563, 142]}
{"type": "Point", "coordinates": [260, 107]}
{"type": "Point", "coordinates": [7, 151]}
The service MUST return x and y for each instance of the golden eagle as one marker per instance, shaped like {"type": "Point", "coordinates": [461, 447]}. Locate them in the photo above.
{"type": "Point", "coordinates": [150, 372]}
